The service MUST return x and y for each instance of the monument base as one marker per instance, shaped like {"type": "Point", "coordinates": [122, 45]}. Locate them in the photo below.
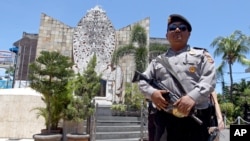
{"type": "Point", "coordinates": [103, 106]}
{"type": "Point", "coordinates": [102, 101]}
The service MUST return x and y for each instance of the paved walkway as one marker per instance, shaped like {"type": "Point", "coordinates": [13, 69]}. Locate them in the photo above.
{"type": "Point", "coordinates": [224, 136]}
{"type": "Point", "coordinates": [5, 139]}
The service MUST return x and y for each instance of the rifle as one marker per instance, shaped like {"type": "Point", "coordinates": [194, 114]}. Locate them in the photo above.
{"type": "Point", "coordinates": [170, 97]}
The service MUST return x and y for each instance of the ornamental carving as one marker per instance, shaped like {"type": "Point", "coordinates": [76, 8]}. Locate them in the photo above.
{"type": "Point", "coordinates": [94, 34]}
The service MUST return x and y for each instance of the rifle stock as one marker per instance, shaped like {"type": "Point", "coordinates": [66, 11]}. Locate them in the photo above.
{"type": "Point", "coordinates": [171, 97]}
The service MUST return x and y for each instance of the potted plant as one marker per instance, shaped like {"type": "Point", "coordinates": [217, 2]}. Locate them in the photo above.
{"type": "Point", "coordinates": [85, 87]}
{"type": "Point", "coordinates": [132, 102]}
{"type": "Point", "coordinates": [133, 99]}
{"type": "Point", "coordinates": [118, 109]}
{"type": "Point", "coordinates": [49, 75]}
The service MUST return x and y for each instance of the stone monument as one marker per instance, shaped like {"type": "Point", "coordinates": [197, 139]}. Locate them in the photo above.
{"type": "Point", "coordinates": [95, 34]}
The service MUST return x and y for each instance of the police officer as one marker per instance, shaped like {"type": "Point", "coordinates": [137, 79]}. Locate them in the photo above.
{"type": "Point", "coordinates": [192, 65]}
{"type": "Point", "coordinates": [151, 124]}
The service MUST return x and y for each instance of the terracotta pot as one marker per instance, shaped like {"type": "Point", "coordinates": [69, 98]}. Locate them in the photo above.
{"type": "Point", "coordinates": [47, 137]}
{"type": "Point", "coordinates": [77, 137]}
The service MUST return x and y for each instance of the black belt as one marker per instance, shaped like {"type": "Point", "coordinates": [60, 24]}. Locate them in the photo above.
{"type": "Point", "coordinates": [200, 112]}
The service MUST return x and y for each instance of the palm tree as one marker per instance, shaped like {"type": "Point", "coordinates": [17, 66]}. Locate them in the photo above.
{"type": "Point", "coordinates": [233, 49]}
{"type": "Point", "coordinates": [220, 74]}
{"type": "Point", "coordinates": [136, 47]}
{"type": "Point", "coordinates": [138, 36]}
{"type": "Point", "coordinates": [220, 77]}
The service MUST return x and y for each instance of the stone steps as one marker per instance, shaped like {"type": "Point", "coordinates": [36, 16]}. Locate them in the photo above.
{"type": "Point", "coordinates": [118, 135]}
{"type": "Point", "coordinates": [117, 128]}
{"type": "Point", "coordinates": [131, 139]}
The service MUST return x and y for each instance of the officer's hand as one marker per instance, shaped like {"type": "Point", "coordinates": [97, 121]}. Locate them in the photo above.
{"type": "Point", "coordinates": [159, 100]}
{"type": "Point", "coordinates": [184, 104]}
{"type": "Point", "coordinates": [221, 124]}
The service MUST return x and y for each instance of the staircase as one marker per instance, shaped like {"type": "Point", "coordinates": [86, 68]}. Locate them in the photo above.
{"type": "Point", "coordinates": [116, 128]}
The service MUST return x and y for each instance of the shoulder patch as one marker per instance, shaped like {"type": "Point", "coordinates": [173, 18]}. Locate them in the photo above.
{"type": "Point", "coordinates": [209, 58]}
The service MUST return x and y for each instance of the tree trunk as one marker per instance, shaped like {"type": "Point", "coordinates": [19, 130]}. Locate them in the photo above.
{"type": "Point", "coordinates": [231, 82]}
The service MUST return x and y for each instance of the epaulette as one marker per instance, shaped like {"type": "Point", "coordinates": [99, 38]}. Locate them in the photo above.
{"type": "Point", "coordinates": [199, 48]}
{"type": "Point", "coordinates": [206, 53]}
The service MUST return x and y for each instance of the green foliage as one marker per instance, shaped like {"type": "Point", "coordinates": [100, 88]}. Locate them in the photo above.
{"type": "Point", "coordinates": [132, 100]}
{"type": "Point", "coordinates": [119, 107]}
{"type": "Point", "coordinates": [133, 96]}
{"type": "Point", "coordinates": [141, 56]}
{"type": "Point", "coordinates": [139, 35]}
{"type": "Point", "coordinates": [228, 109]}
{"type": "Point", "coordinates": [238, 111]}
{"type": "Point", "coordinates": [246, 94]}
{"type": "Point", "coordinates": [156, 49]}
{"type": "Point", "coordinates": [240, 95]}
{"type": "Point", "coordinates": [85, 86]}
{"type": "Point", "coordinates": [226, 91]}
{"type": "Point", "coordinates": [232, 49]}
{"type": "Point", "coordinates": [10, 70]}
{"type": "Point", "coordinates": [220, 98]}
{"type": "Point", "coordinates": [49, 75]}
{"type": "Point", "coordinates": [122, 51]}
{"type": "Point", "coordinates": [159, 48]}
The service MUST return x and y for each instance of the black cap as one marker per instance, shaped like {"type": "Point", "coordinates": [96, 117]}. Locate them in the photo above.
{"type": "Point", "coordinates": [179, 18]}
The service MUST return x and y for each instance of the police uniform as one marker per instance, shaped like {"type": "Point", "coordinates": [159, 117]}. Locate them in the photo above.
{"type": "Point", "coordinates": [195, 68]}
{"type": "Point", "coordinates": [191, 64]}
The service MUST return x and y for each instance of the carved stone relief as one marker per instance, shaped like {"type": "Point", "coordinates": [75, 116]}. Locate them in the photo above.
{"type": "Point", "coordinates": [94, 34]}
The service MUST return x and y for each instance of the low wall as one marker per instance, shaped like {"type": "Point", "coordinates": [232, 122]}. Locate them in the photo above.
{"type": "Point", "coordinates": [17, 119]}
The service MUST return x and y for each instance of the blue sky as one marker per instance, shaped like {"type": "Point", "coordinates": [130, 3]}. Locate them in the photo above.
{"type": "Point", "coordinates": [209, 19]}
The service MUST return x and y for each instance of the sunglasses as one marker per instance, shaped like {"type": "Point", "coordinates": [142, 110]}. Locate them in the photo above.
{"type": "Point", "coordinates": [173, 27]}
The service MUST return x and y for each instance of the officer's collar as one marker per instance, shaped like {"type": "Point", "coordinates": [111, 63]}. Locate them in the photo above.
{"type": "Point", "coordinates": [170, 50]}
